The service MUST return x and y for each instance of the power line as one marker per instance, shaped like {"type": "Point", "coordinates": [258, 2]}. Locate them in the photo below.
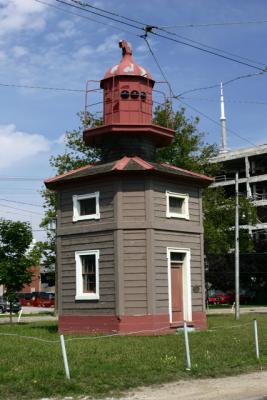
{"type": "Point", "coordinates": [85, 17]}
{"type": "Point", "coordinates": [206, 51]}
{"type": "Point", "coordinates": [19, 178]}
{"type": "Point", "coordinates": [21, 202]}
{"type": "Point", "coordinates": [188, 105]}
{"type": "Point", "coordinates": [157, 62]}
{"type": "Point", "coordinates": [224, 83]}
{"type": "Point", "coordinates": [212, 47]}
{"type": "Point", "coordinates": [40, 87]}
{"type": "Point", "coordinates": [20, 209]}
{"type": "Point", "coordinates": [215, 122]}
{"type": "Point", "coordinates": [107, 12]}
{"type": "Point", "coordinates": [96, 13]}
{"type": "Point", "coordinates": [148, 29]}
{"type": "Point", "coordinates": [228, 100]}
{"type": "Point", "coordinates": [215, 24]}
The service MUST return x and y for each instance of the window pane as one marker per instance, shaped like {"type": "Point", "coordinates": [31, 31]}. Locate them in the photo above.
{"type": "Point", "coordinates": [88, 206]}
{"type": "Point", "coordinates": [177, 257]}
{"type": "Point", "coordinates": [89, 273]}
{"type": "Point", "coordinates": [176, 205]}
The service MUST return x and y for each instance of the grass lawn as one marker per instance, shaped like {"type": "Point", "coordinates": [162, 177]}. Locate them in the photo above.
{"type": "Point", "coordinates": [38, 314]}
{"type": "Point", "coordinates": [32, 369]}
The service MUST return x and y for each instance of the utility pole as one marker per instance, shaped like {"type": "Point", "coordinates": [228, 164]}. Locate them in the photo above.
{"type": "Point", "coordinates": [237, 305]}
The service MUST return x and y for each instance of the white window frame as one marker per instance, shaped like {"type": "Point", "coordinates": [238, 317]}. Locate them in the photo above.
{"type": "Point", "coordinates": [76, 206]}
{"type": "Point", "coordinates": [80, 295]}
{"type": "Point", "coordinates": [185, 207]}
{"type": "Point", "coordinates": [187, 292]}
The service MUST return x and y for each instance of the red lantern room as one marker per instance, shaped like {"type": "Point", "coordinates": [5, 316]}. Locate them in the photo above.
{"type": "Point", "coordinates": [127, 91]}
{"type": "Point", "coordinates": [127, 127]}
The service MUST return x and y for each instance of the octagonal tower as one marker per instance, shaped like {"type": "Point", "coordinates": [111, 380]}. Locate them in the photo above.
{"type": "Point", "coordinates": [129, 229]}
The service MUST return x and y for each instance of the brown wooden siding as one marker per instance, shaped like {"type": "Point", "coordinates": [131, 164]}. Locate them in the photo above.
{"type": "Point", "coordinates": [133, 200]}
{"type": "Point", "coordinates": [163, 240]}
{"type": "Point", "coordinates": [105, 244]}
{"type": "Point", "coordinates": [160, 203]}
{"type": "Point", "coordinates": [127, 208]}
{"type": "Point", "coordinates": [106, 190]}
{"type": "Point", "coordinates": [135, 272]}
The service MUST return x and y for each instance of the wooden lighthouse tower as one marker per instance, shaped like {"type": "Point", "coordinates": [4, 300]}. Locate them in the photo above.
{"type": "Point", "coordinates": [129, 231]}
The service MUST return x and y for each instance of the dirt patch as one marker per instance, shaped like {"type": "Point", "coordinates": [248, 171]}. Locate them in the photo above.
{"type": "Point", "coordinates": [244, 387]}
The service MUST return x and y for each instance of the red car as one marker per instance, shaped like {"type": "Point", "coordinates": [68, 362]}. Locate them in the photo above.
{"type": "Point", "coordinates": [219, 297]}
{"type": "Point", "coordinates": [24, 299]}
{"type": "Point", "coordinates": [43, 299]}
{"type": "Point", "coordinates": [37, 299]}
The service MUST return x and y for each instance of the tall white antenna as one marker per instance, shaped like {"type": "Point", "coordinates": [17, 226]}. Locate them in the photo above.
{"type": "Point", "coordinates": [223, 148]}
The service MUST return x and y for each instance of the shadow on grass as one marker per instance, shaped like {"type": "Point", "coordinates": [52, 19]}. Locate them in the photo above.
{"type": "Point", "coordinates": [48, 328]}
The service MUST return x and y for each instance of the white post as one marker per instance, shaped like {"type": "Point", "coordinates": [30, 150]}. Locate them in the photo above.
{"type": "Point", "coordinates": [65, 359]}
{"type": "Point", "coordinates": [256, 338]}
{"type": "Point", "coordinates": [237, 303]}
{"type": "Point", "coordinates": [19, 315]}
{"type": "Point", "coordinates": [187, 349]}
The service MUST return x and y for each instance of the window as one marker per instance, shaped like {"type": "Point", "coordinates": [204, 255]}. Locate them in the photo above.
{"type": "Point", "coordinates": [177, 205]}
{"type": "Point", "coordinates": [86, 206]}
{"type": "Point", "coordinates": [87, 275]}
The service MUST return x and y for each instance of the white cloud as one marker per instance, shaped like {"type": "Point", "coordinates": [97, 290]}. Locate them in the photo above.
{"type": "Point", "coordinates": [84, 51]}
{"type": "Point", "coordinates": [17, 15]}
{"type": "Point", "coordinates": [65, 30]}
{"type": "Point", "coordinates": [109, 44]}
{"type": "Point", "coordinates": [2, 56]}
{"type": "Point", "coordinates": [16, 146]}
{"type": "Point", "coordinates": [19, 51]}
{"type": "Point", "coordinates": [61, 139]}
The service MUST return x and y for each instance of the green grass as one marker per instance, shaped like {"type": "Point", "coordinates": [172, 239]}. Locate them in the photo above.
{"type": "Point", "coordinates": [39, 314]}
{"type": "Point", "coordinates": [105, 366]}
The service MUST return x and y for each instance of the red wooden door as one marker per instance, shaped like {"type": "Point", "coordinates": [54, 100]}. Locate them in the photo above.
{"type": "Point", "coordinates": [177, 291]}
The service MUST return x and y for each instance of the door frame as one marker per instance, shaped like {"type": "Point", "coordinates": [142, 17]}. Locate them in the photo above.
{"type": "Point", "coordinates": [187, 293]}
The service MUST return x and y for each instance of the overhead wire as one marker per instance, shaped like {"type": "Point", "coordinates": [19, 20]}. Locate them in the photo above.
{"type": "Point", "coordinates": [40, 87]}
{"type": "Point", "coordinates": [228, 100]}
{"type": "Point", "coordinates": [157, 63]}
{"type": "Point", "coordinates": [84, 16]}
{"type": "Point", "coordinates": [215, 24]}
{"type": "Point", "coordinates": [21, 202]}
{"type": "Point", "coordinates": [20, 209]}
{"type": "Point", "coordinates": [96, 13]}
{"type": "Point", "coordinates": [19, 178]}
{"type": "Point", "coordinates": [188, 105]}
{"type": "Point", "coordinates": [215, 122]}
{"type": "Point", "coordinates": [109, 12]}
{"type": "Point", "coordinates": [213, 48]}
{"type": "Point", "coordinates": [224, 83]}
{"type": "Point", "coordinates": [206, 51]}
{"type": "Point", "coordinates": [149, 29]}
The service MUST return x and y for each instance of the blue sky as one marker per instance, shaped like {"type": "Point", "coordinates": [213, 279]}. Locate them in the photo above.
{"type": "Point", "coordinates": [43, 46]}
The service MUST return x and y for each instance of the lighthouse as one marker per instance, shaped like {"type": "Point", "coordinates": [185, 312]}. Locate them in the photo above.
{"type": "Point", "coordinates": [129, 229]}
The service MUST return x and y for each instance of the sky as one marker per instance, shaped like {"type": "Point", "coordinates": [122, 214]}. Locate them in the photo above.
{"type": "Point", "coordinates": [46, 45]}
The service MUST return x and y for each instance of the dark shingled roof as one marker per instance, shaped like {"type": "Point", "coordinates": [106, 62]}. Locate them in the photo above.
{"type": "Point", "coordinates": [127, 164]}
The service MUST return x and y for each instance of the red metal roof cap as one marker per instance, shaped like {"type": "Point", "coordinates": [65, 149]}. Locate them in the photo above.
{"type": "Point", "coordinates": [127, 65]}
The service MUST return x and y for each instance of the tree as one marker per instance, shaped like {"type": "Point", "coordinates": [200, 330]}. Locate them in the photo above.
{"type": "Point", "coordinates": [219, 243]}
{"type": "Point", "coordinates": [188, 149]}
{"type": "Point", "coordinates": [219, 222]}
{"type": "Point", "coordinates": [15, 257]}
